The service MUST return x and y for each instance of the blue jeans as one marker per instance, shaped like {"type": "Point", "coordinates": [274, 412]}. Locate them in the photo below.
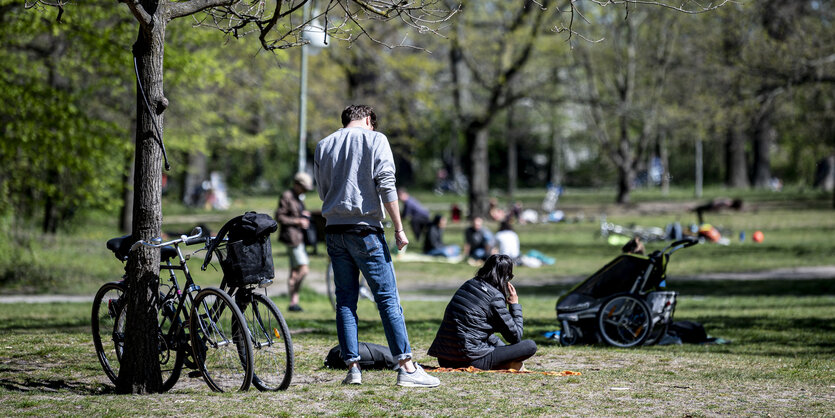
{"type": "Point", "coordinates": [351, 254]}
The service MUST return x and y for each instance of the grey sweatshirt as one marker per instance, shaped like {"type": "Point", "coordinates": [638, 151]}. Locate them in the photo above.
{"type": "Point", "coordinates": [354, 170]}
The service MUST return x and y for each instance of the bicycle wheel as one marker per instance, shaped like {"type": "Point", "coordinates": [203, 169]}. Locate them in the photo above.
{"type": "Point", "coordinates": [172, 343]}
{"type": "Point", "coordinates": [624, 321]}
{"type": "Point", "coordinates": [271, 343]}
{"type": "Point", "coordinates": [108, 326]}
{"type": "Point", "coordinates": [220, 341]}
{"type": "Point", "coordinates": [330, 286]}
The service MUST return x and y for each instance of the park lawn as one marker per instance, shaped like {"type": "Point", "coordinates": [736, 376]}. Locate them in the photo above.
{"type": "Point", "coordinates": [798, 233]}
{"type": "Point", "coordinates": [779, 363]}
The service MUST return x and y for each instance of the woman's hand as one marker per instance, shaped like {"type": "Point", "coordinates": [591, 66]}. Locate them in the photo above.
{"type": "Point", "coordinates": [511, 294]}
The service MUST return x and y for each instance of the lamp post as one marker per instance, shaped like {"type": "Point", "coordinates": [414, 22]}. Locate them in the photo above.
{"type": "Point", "coordinates": [315, 37]}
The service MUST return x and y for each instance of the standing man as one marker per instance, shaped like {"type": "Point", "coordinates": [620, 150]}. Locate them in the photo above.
{"type": "Point", "coordinates": [354, 169]}
{"type": "Point", "coordinates": [412, 209]}
{"type": "Point", "coordinates": [294, 221]}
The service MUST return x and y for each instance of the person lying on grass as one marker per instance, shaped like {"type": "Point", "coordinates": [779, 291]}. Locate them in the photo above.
{"type": "Point", "coordinates": [477, 311]}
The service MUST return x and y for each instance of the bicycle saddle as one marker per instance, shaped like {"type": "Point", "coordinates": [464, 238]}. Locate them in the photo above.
{"type": "Point", "coordinates": [121, 245]}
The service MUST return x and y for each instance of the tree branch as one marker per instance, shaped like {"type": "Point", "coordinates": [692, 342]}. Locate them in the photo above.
{"type": "Point", "coordinates": [187, 8]}
{"type": "Point", "coordinates": [142, 16]}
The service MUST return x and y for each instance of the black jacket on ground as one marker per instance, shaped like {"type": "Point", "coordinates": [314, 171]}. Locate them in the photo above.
{"type": "Point", "coordinates": [476, 312]}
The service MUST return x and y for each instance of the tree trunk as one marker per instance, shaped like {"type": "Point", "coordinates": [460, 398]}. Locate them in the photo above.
{"type": "Point", "coordinates": [479, 170]}
{"type": "Point", "coordinates": [140, 372]}
{"type": "Point", "coordinates": [556, 152]}
{"type": "Point", "coordinates": [664, 154]}
{"type": "Point", "coordinates": [126, 214]}
{"type": "Point", "coordinates": [512, 157]}
{"type": "Point", "coordinates": [764, 136]}
{"type": "Point", "coordinates": [197, 172]}
{"type": "Point", "coordinates": [626, 178]}
{"type": "Point", "coordinates": [737, 167]}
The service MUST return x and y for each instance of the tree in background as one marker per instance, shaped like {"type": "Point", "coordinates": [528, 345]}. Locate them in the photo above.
{"type": "Point", "coordinates": [62, 149]}
{"type": "Point", "coordinates": [624, 88]}
{"type": "Point", "coordinates": [278, 26]}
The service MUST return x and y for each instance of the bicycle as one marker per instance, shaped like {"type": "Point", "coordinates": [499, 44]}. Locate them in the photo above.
{"type": "Point", "coordinates": [646, 234]}
{"type": "Point", "coordinates": [268, 331]}
{"type": "Point", "coordinates": [204, 324]}
{"type": "Point", "coordinates": [330, 286]}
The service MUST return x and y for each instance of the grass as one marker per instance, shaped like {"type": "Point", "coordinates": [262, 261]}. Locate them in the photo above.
{"type": "Point", "coordinates": [780, 362]}
{"type": "Point", "coordinates": [798, 226]}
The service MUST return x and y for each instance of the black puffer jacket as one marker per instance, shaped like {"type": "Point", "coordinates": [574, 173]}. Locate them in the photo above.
{"type": "Point", "coordinates": [475, 313]}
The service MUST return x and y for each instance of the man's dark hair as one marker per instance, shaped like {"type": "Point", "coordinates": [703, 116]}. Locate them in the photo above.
{"type": "Point", "coordinates": [357, 112]}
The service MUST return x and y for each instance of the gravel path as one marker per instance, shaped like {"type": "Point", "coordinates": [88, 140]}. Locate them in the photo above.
{"type": "Point", "coordinates": [410, 292]}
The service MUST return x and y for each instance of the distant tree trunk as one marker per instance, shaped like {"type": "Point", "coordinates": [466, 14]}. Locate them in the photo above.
{"type": "Point", "coordinates": [126, 214]}
{"type": "Point", "coordinates": [664, 154]}
{"type": "Point", "coordinates": [140, 372]}
{"type": "Point", "coordinates": [479, 170]}
{"type": "Point", "coordinates": [556, 152]}
{"type": "Point", "coordinates": [512, 156]}
{"type": "Point", "coordinates": [763, 137]}
{"type": "Point", "coordinates": [737, 167]}
{"type": "Point", "coordinates": [626, 178]}
{"type": "Point", "coordinates": [196, 173]}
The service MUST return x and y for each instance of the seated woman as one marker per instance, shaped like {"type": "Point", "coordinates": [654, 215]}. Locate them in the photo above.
{"type": "Point", "coordinates": [477, 311]}
{"type": "Point", "coordinates": [434, 243]}
{"type": "Point", "coordinates": [507, 242]}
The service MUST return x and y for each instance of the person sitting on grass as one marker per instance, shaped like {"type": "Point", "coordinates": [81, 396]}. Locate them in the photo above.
{"type": "Point", "coordinates": [434, 243]}
{"type": "Point", "coordinates": [478, 240]}
{"type": "Point", "coordinates": [477, 311]}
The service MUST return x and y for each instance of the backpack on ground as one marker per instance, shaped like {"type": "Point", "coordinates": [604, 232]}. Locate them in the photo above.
{"type": "Point", "coordinates": [372, 357]}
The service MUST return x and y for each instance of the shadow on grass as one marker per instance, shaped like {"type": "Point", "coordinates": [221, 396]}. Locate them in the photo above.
{"type": "Point", "coordinates": [750, 334]}
{"type": "Point", "coordinates": [54, 385]}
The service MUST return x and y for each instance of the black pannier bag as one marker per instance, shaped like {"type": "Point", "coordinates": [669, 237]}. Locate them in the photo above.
{"type": "Point", "coordinates": [247, 259]}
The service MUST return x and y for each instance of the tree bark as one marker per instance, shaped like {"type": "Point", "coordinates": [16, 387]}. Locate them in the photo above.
{"type": "Point", "coordinates": [479, 170]}
{"type": "Point", "coordinates": [126, 214]}
{"type": "Point", "coordinates": [198, 171]}
{"type": "Point", "coordinates": [556, 151]}
{"type": "Point", "coordinates": [512, 156]}
{"type": "Point", "coordinates": [140, 372]}
{"type": "Point", "coordinates": [737, 167]}
{"type": "Point", "coordinates": [764, 135]}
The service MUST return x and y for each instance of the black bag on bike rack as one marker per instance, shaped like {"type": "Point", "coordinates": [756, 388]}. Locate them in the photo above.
{"type": "Point", "coordinates": [248, 254]}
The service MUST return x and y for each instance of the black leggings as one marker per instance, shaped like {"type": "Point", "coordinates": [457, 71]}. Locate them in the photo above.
{"type": "Point", "coordinates": [498, 359]}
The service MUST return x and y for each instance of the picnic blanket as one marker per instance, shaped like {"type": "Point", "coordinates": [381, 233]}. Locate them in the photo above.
{"type": "Point", "coordinates": [411, 257]}
{"type": "Point", "coordinates": [472, 369]}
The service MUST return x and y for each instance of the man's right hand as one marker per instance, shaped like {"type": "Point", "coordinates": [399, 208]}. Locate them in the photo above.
{"type": "Point", "coordinates": [400, 239]}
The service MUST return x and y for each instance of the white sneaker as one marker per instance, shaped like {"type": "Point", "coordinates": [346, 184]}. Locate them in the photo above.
{"type": "Point", "coordinates": [354, 377]}
{"type": "Point", "coordinates": [416, 379]}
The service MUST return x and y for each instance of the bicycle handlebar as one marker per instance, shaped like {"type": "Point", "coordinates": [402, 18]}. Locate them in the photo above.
{"type": "Point", "coordinates": [682, 243]}
{"type": "Point", "coordinates": [197, 238]}
{"type": "Point", "coordinates": [211, 244]}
